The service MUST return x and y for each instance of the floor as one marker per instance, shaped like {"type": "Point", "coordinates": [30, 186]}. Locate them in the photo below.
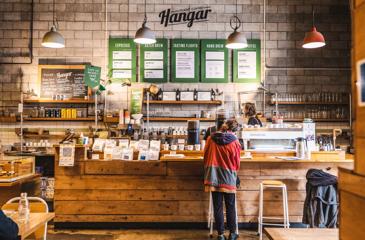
{"type": "Point", "coordinates": [139, 234]}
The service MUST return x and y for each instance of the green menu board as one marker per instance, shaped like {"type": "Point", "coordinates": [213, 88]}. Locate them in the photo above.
{"type": "Point", "coordinates": [136, 100]}
{"type": "Point", "coordinates": [153, 62]}
{"type": "Point", "coordinates": [214, 61]}
{"type": "Point", "coordinates": [92, 76]}
{"type": "Point", "coordinates": [247, 63]}
{"type": "Point", "coordinates": [122, 59]}
{"type": "Point", "coordinates": [185, 60]}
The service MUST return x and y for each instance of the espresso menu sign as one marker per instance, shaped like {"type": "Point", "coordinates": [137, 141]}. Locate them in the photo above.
{"type": "Point", "coordinates": [247, 63]}
{"type": "Point", "coordinates": [185, 60]}
{"type": "Point", "coordinates": [214, 65]}
{"type": "Point", "coordinates": [66, 80]}
{"type": "Point", "coordinates": [122, 59]}
{"type": "Point", "coordinates": [153, 62]}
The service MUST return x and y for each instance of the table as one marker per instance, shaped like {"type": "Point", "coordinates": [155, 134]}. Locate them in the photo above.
{"type": "Point", "coordinates": [302, 233]}
{"type": "Point", "coordinates": [35, 221]}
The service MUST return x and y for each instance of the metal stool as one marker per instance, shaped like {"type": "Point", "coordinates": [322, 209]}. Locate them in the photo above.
{"type": "Point", "coordinates": [211, 215]}
{"type": "Point", "coordinates": [273, 184]}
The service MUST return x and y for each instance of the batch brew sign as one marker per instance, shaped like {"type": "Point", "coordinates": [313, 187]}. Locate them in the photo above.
{"type": "Point", "coordinates": [185, 60]}
{"type": "Point", "coordinates": [66, 80]}
{"type": "Point", "coordinates": [214, 65]}
{"type": "Point", "coordinates": [153, 62]}
{"type": "Point", "coordinates": [122, 59]}
{"type": "Point", "coordinates": [92, 76]}
{"type": "Point", "coordinates": [247, 63]}
{"type": "Point", "coordinates": [184, 16]}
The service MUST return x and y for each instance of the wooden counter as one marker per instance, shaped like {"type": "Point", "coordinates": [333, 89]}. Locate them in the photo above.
{"type": "Point", "coordinates": [170, 191]}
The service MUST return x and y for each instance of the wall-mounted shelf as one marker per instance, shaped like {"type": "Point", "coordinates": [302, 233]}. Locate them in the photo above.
{"type": "Point", "coordinates": [111, 119]}
{"type": "Point", "coordinates": [8, 119]}
{"type": "Point", "coordinates": [60, 119]}
{"type": "Point", "coordinates": [215, 102]}
{"type": "Point", "coordinates": [68, 101]}
{"type": "Point", "coordinates": [179, 119]}
{"type": "Point", "coordinates": [307, 103]}
{"type": "Point", "coordinates": [317, 120]}
{"type": "Point", "coordinates": [43, 136]}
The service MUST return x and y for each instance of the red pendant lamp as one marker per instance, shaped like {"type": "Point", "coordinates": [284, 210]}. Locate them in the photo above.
{"type": "Point", "coordinates": [313, 39]}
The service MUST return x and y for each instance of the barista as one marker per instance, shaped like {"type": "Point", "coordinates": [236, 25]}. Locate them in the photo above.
{"type": "Point", "coordinates": [250, 113]}
{"type": "Point", "coordinates": [220, 119]}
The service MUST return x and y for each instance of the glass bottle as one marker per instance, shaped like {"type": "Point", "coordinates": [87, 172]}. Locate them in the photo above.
{"type": "Point", "coordinates": [195, 95]}
{"type": "Point", "coordinates": [178, 95]}
{"type": "Point", "coordinates": [23, 208]}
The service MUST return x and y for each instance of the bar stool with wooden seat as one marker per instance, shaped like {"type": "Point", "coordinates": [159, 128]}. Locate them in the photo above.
{"type": "Point", "coordinates": [37, 205]}
{"type": "Point", "coordinates": [273, 184]}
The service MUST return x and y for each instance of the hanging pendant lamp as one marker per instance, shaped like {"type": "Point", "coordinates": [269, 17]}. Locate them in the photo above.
{"type": "Point", "coordinates": [53, 39]}
{"type": "Point", "coordinates": [236, 40]}
{"type": "Point", "coordinates": [313, 39]}
{"type": "Point", "coordinates": [144, 35]}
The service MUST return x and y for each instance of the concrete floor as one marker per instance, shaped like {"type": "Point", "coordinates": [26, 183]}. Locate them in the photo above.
{"type": "Point", "coordinates": [139, 234]}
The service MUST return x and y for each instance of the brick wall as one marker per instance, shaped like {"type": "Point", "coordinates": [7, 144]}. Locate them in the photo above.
{"type": "Point", "coordinates": [82, 23]}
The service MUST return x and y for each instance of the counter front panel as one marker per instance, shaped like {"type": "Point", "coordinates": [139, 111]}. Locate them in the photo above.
{"type": "Point", "coordinates": [170, 191]}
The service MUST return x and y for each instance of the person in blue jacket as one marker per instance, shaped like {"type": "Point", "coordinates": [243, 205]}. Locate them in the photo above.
{"type": "Point", "coordinates": [8, 228]}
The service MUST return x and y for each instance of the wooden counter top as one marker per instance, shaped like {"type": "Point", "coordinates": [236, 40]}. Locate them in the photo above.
{"type": "Point", "coordinates": [9, 182]}
{"type": "Point", "coordinates": [272, 159]}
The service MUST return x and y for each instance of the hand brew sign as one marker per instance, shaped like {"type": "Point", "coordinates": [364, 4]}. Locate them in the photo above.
{"type": "Point", "coordinates": [184, 16]}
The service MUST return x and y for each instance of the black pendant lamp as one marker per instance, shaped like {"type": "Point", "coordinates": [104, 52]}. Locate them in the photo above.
{"type": "Point", "coordinates": [236, 40]}
{"type": "Point", "coordinates": [145, 35]}
{"type": "Point", "coordinates": [53, 39]}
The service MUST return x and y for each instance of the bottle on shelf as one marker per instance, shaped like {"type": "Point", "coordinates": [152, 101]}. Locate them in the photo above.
{"type": "Point", "coordinates": [23, 208]}
{"type": "Point", "coordinates": [212, 95]}
{"type": "Point", "coordinates": [178, 95]}
{"type": "Point", "coordinates": [195, 95]}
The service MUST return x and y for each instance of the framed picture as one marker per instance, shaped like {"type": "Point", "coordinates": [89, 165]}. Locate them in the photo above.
{"type": "Point", "coordinates": [361, 82]}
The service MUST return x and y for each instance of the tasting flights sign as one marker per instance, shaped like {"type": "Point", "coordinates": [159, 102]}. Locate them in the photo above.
{"type": "Point", "coordinates": [186, 16]}
{"type": "Point", "coordinates": [185, 60]}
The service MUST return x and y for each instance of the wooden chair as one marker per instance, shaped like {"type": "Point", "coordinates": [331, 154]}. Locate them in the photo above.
{"type": "Point", "coordinates": [36, 205]}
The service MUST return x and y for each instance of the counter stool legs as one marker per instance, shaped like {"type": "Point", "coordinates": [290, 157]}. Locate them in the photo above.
{"type": "Point", "coordinates": [285, 224]}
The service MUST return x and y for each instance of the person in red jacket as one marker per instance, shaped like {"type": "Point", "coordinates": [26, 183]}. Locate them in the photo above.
{"type": "Point", "coordinates": [221, 164]}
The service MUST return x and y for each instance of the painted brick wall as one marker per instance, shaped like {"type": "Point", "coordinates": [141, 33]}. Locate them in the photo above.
{"type": "Point", "coordinates": [82, 23]}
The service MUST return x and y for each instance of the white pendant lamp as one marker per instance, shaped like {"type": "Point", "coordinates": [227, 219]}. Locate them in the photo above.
{"type": "Point", "coordinates": [236, 40]}
{"type": "Point", "coordinates": [145, 35]}
{"type": "Point", "coordinates": [53, 39]}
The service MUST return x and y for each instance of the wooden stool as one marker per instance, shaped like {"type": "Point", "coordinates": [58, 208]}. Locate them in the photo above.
{"type": "Point", "coordinates": [273, 184]}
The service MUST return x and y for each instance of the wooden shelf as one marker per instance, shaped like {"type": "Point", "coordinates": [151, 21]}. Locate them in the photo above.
{"type": "Point", "coordinates": [215, 102]}
{"type": "Point", "coordinates": [178, 119]}
{"type": "Point", "coordinates": [306, 103]}
{"type": "Point", "coordinates": [60, 119]}
{"type": "Point", "coordinates": [68, 101]}
{"type": "Point", "coordinates": [317, 120]}
{"type": "Point", "coordinates": [43, 136]}
{"type": "Point", "coordinates": [111, 119]}
{"type": "Point", "coordinates": [8, 119]}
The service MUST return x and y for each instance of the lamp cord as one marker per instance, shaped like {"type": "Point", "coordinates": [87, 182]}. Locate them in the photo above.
{"type": "Point", "coordinates": [235, 20]}
{"type": "Point", "coordinates": [313, 17]}
{"type": "Point", "coordinates": [145, 13]}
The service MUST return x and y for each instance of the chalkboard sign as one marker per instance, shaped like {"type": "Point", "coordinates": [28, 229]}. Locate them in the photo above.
{"type": "Point", "coordinates": [214, 61]}
{"type": "Point", "coordinates": [185, 60]}
{"type": "Point", "coordinates": [66, 80]}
